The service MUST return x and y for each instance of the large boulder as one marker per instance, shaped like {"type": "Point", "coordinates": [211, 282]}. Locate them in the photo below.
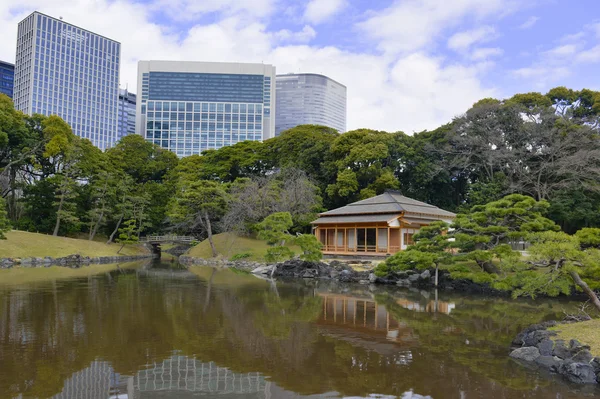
{"type": "Point", "coordinates": [535, 337]}
{"type": "Point", "coordinates": [578, 373]}
{"type": "Point", "coordinates": [528, 353]}
{"type": "Point", "coordinates": [545, 346]}
{"type": "Point", "coordinates": [551, 363]}
{"type": "Point", "coordinates": [560, 350]}
{"type": "Point", "coordinates": [426, 275]}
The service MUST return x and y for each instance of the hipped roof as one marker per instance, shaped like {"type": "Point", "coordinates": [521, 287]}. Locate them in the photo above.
{"type": "Point", "coordinates": [383, 208]}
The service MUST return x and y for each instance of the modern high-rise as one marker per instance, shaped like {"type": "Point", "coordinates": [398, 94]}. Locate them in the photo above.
{"type": "Point", "coordinates": [190, 107]}
{"type": "Point", "coordinates": [309, 99]}
{"type": "Point", "coordinates": [126, 114]}
{"type": "Point", "coordinates": [68, 71]}
{"type": "Point", "coordinates": [7, 78]}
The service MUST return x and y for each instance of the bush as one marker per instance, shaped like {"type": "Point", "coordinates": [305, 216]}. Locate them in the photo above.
{"type": "Point", "coordinates": [240, 256]}
{"type": "Point", "coordinates": [589, 237]}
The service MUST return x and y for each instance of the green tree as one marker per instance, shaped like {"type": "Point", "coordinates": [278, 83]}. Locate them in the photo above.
{"type": "Point", "coordinates": [562, 264]}
{"type": "Point", "coordinates": [589, 237]}
{"type": "Point", "coordinates": [4, 221]}
{"type": "Point", "coordinates": [199, 204]}
{"type": "Point", "coordinates": [127, 234]}
{"type": "Point", "coordinates": [485, 230]}
{"type": "Point", "coordinates": [310, 246]}
{"type": "Point", "coordinates": [431, 250]}
{"type": "Point", "coordinates": [274, 229]}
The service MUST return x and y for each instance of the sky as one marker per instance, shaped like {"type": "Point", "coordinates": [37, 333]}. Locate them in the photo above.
{"type": "Point", "coordinates": [408, 65]}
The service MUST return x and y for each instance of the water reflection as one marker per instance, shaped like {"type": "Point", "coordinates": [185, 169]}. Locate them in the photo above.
{"type": "Point", "coordinates": [172, 333]}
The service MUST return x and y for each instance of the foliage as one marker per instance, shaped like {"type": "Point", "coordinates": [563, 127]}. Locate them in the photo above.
{"type": "Point", "coordinates": [4, 222]}
{"type": "Point", "coordinates": [278, 253]}
{"type": "Point", "coordinates": [274, 228]}
{"type": "Point", "coordinates": [127, 233]}
{"type": "Point", "coordinates": [310, 246]}
{"type": "Point", "coordinates": [589, 237]}
{"type": "Point", "coordinates": [241, 255]}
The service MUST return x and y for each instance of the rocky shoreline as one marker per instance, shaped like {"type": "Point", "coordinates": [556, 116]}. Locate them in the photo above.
{"type": "Point", "coordinates": [74, 260]}
{"type": "Point", "coordinates": [344, 272]}
{"type": "Point", "coordinates": [537, 346]}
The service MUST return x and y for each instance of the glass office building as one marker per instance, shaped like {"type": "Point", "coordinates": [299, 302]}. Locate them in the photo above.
{"type": "Point", "coordinates": [7, 78]}
{"type": "Point", "coordinates": [309, 99]}
{"type": "Point", "coordinates": [126, 114]}
{"type": "Point", "coordinates": [64, 70]}
{"type": "Point", "coordinates": [190, 107]}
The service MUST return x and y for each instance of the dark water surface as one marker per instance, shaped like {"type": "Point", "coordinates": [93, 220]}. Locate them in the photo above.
{"type": "Point", "coordinates": [157, 331]}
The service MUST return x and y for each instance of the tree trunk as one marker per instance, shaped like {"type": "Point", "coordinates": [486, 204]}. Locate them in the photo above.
{"type": "Point", "coordinates": [95, 229]}
{"type": "Point", "coordinates": [586, 288]}
{"type": "Point", "coordinates": [435, 283]}
{"type": "Point", "coordinates": [57, 225]}
{"type": "Point", "coordinates": [112, 236]}
{"type": "Point", "coordinates": [488, 267]}
{"type": "Point", "coordinates": [210, 236]}
{"type": "Point", "coordinates": [119, 251]}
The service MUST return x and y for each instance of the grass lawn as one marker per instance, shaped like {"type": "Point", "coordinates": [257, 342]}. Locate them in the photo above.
{"type": "Point", "coordinates": [27, 275]}
{"type": "Point", "coordinates": [21, 244]}
{"type": "Point", "coordinates": [229, 244]}
{"type": "Point", "coordinates": [586, 332]}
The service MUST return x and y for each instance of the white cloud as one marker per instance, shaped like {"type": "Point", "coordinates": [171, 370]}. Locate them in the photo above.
{"type": "Point", "coordinates": [591, 55]}
{"type": "Point", "coordinates": [461, 41]}
{"type": "Point", "coordinates": [189, 10]}
{"type": "Point", "coordinates": [411, 92]}
{"type": "Point", "coordinates": [485, 53]}
{"type": "Point", "coordinates": [318, 11]}
{"type": "Point", "coordinates": [413, 24]}
{"type": "Point", "coordinates": [561, 51]}
{"type": "Point", "coordinates": [529, 23]}
{"type": "Point", "coordinates": [304, 36]}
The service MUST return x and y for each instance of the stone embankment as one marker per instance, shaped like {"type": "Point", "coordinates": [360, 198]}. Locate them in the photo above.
{"type": "Point", "coordinates": [345, 271]}
{"type": "Point", "coordinates": [69, 261]}
{"type": "Point", "coordinates": [536, 345]}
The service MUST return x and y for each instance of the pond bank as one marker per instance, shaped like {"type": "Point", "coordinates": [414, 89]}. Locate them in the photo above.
{"type": "Point", "coordinates": [540, 346]}
{"type": "Point", "coordinates": [344, 271]}
{"type": "Point", "coordinates": [74, 260]}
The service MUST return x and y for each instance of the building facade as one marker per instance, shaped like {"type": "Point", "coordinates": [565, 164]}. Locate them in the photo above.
{"type": "Point", "coordinates": [126, 115]}
{"type": "Point", "coordinates": [377, 226]}
{"type": "Point", "coordinates": [68, 71]}
{"type": "Point", "coordinates": [190, 107]}
{"type": "Point", "coordinates": [7, 78]}
{"type": "Point", "coordinates": [309, 99]}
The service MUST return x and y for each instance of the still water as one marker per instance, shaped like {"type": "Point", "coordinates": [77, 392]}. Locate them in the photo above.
{"type": "Point", "coordinates": [160, 331]}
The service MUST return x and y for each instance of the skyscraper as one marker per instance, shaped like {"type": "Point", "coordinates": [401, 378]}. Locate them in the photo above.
{"type": "Point", "coordinates": [126, 123]}
{"type": "Point", "coordinates": [68, 71]}
{"type": "Point", "coordinates": [7, 78]}
{"type": "Point", "coordinates": [189, 107]}
{"type": "Point", "coordinates": [307, 98]}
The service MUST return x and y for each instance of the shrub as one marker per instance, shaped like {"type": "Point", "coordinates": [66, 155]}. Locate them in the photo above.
{"type": "Point", "coordinates": [240, 256]}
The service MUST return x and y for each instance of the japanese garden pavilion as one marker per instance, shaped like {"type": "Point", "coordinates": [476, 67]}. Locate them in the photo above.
{"type": "Point", "coordinates": [381, 225]}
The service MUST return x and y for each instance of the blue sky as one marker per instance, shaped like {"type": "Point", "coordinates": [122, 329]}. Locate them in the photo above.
{"type": "Point", "coordinates": [408, 64]}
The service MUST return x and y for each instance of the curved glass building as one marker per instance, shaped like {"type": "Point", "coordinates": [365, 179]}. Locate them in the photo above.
{"type": "Point", "coordinates": [309, 99]}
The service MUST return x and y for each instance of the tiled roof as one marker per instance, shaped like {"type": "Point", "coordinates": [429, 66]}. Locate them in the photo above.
{"type": "Point", "coordinates": [389, 202]}
{"type": "Point", "coordinates": [382, 217]}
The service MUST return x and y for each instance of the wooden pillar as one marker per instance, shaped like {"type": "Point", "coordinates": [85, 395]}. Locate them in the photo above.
{"type": "Point", "coordinates": [388, 244]}
{"type": "Point", "coordinates": [335, 240]}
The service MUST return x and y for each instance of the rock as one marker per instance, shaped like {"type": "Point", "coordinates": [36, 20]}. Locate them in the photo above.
{"type": "Point", "coordinates": [576, 346]}
{"type": "Point", "coordinates": [545, 346]}
{"type": "Point", "coordinates": [364, 282]}
{"type": "Point", "coordinates": [372, 277]}
{"type": "Point", "coordinates": [578, 373]}
{"type": "Point", "coordinates": [426, 275]}
{"type": "Point", "coordinates": [528, 353]}
{"type": "Point", "coordinates": [262, 270]}
{"type": "Point", "coordinates": [551, 363]}
{"type": "Point", "coordinates": [583, 356]}
{"type": "Point", "coordinates": [310, 273]}
{"type": "Point", "coordinates": [560, 349]}
{"type": "Point", "coordinates": [535, 337]}
{"type": "Point", "coordinates": [402, 275]}
{"type": "Point", "coordinates": [596, 365]}
{"type": "Point", "coordinates": [403, 283]}
{"type": "Point", "coordinates": [414, 277]}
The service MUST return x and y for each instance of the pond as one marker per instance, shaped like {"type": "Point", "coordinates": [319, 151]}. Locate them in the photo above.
{"type": "Point", "coordinates": [157, 330]}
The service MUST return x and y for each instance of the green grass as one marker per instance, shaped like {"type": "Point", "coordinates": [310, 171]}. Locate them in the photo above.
{"type": "Point", "coordinates": [585, 332]}
{"type": "Point", "coordinates": [28, 275]}
{"type": "Point", "coordinates": [229, 244]}
{"type": "Point", "coordinates": [21, 244]}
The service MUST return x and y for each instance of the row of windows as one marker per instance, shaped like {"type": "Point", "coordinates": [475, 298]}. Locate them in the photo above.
{"type": "Point", "coordinates": [182, 116]}
{"type": "Point", "coordinates": [203, 126]}
{"type": "Point", "coordinates": [204, 107]}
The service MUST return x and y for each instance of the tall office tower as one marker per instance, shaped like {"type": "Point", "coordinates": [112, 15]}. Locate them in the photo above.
{"type": "Point", "coordinates": [68, 71]}
{"type": "Point", "coordinates": [7, 78]}
{"type": "Point", "coordinates": [126, 114]}
{"type": "Point", "coordinates": [309, 99]}
{"type": "Point", "coordinates": [189, 107]}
